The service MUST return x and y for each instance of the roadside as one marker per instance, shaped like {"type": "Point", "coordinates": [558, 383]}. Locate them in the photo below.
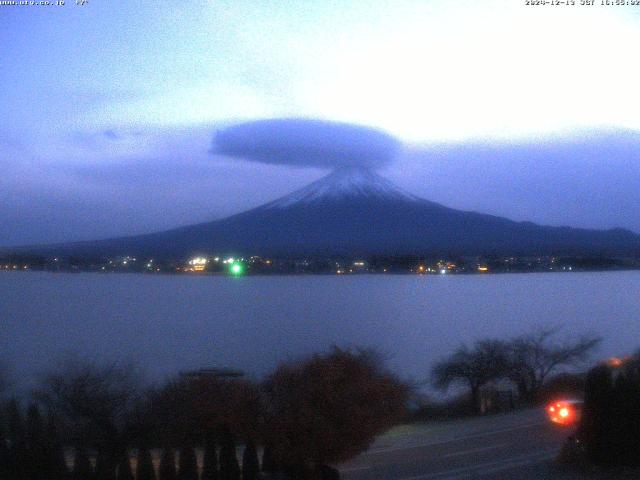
{"type": "Point", "coordinates": [481, 447]}
{"type": "Point", "coordinates": [521, 445]}
{"type": "Point", "coordinates": [548, 469]}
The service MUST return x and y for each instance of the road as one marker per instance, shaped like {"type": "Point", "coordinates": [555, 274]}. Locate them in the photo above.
{"type": "Point", "coordinates": [500, 446]}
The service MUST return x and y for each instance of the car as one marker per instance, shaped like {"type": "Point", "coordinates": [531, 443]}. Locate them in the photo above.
{"type": "Point", "coordinates": [565, 412]}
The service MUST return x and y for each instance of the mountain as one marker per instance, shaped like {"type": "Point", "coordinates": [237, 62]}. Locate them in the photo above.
{"type": "Point", "coordinates": [355, 211]}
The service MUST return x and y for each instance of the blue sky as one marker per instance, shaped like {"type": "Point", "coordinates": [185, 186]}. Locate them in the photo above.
{"type": "Point", "coordinates": [109, 110]}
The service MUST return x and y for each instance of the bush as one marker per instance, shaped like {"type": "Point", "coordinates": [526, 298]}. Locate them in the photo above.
{"type": "Point", "coordinates": [16, 435]}
{"type": "Point", "coordinates": [198, 408]}
{"type": "Point", "coordinates": [124, 469]}
{"type": "Point", "coordinates": [188, 469]}
{"type": "Point", "coordinates": [610, 425]}
{"type": "Point", "coordinates": [562, 385]}
{"type": "Point", "coordinates": [4, 454]}
{"type": "Point", "coordinates": [82, 467]}
{"type": "Point", "coordinates": [104, 468]}
{"type": "Point", "coordinates": [96, 404]}
{"type": "Point", "coordinates": [229, 468]}
{"type": "Point", "coordinates": [250, 466]}
{"type": "Point", "coordinates": [455, 407]}
{"type": "Point", "coordinates": [167, 469]}
{"type": "Point", "coordinates": [329, 408]}
{"type": "Point", "coordinates": [144, 470]}
{"type": "Point", "coordinates": [210, 461]}
{"type": "Point", "coordinates": [268, 462]}
{"type": "Point", "coordinates": [56, 465]}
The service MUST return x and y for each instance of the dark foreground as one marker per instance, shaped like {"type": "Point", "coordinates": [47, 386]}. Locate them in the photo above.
{"type": "Point", "coordinates": [516, 445]}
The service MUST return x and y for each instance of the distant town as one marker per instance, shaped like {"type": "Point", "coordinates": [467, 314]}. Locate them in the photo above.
{"type": "Point", "coordinates": [338, 265]}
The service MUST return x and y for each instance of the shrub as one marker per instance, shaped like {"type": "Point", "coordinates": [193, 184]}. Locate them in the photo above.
{"type": "Point", "coordinates": [188, 469]}
{"type": "Point", "coordinates": [210, 461]}
{"type": "Point", "coordinates": [250, 467]}
{"type": "Point", "coordinates": [4, 455]}
{"type": "Point", "coordinates": [189, 408]}
{"type": "Point", "coordinates": [16, 435]}
{"type": "Point", "coordinates": [82, 467]}
{"type": "Point", "coordinates": [229, 468]}
{"type": "Point", "coordinates": [329, 408]}
{"type": "Point", "coordinates": [610, 425]}
{"type": "Point", "coordinates": [104, 468]}
{"type": "Point", "coordinates": [167, 469]}
{"type": "Point", "coordinates": [562, 385]}
{"type": "Point", "coordinates": [124, 469]}
{"type": "Point", "coordinates": [56, 465]}
{"type": "Point", "coordinates": [144, 470]}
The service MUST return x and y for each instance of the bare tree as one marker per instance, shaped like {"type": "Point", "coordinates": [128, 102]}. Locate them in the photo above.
{"type": "Point", "coordinates": [96, 404]}
{"type": "Point", "coordinates": [474, 367]}
{"type": "Point", "coordinates": [533, 357]}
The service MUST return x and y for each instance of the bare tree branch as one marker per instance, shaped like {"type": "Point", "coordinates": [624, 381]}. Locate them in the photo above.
{"type": "Point", "coordinates": [534, 356]}
{"type": "Point", "coordinates": [475, 367]}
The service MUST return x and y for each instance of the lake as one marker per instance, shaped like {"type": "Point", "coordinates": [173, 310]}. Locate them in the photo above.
{"type": "Point", "coordinates": [169, 323]}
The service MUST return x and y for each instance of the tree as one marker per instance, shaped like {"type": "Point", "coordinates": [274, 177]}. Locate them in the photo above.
{"type": "Point", "coordinates": [4, 451]}
{"type": "Point", "coordinates": [36, 452]}
{"type": "Point", "coordinates": [329, 408]}
{"type": "Point", "coordinates": [144, 469]}
{"type": "Point", "coordinates": [626, 418]}
{"type": "Point", "coordinates": [96, 404]}
{"type": "Point", "coordinates": [250, 466]}
{"type": "Point", "coordinates": [610, 422]}
{"type": "Point", "coordinates": [188, 469]}
{"type": "Point", "coordinates": [196, 408]}
{"type": "Point", "coordinates": [229, 468]}
{"type": "Point", "coordinates": [167, 470]}
{"type": "Point", "coordinates": [475, 367]}
{"type": "Point", "coordinates": [533, 357]}
{"type": "Point", "coordinates": [55, 461]}
{"type": "Point", "coordinates": [268, 462]}
{"type": "Point", "coordinates": [104, 470]}
{"type": "Point", "coordinates": [82, 466]}
{"type": "Point", "coordinates": [124, 468]}
{"type": "Point", "coordinates": [210, 460]}
{"type": "Point", "coordinates": [17, 441]}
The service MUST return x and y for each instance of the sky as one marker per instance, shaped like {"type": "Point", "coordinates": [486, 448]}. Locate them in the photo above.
{"type": "Point", "coordinates": [109, 110]}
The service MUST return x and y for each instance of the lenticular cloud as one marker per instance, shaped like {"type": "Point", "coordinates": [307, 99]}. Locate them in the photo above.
{"type": "Point", "coordinates": [307, 143]}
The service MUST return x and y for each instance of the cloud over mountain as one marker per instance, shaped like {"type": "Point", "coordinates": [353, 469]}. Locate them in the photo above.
{"type": "Point", "coordinates": [307, 143]}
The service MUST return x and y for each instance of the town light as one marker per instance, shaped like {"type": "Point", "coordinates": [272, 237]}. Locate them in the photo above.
{"type": "Point", "coordinates": [197, 264]}
{"type": "Point", "coordinates": [236, 269]}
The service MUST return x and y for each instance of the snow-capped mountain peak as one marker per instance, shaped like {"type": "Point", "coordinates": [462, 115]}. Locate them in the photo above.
{"type": "Point", "coordinates": [345, 183]}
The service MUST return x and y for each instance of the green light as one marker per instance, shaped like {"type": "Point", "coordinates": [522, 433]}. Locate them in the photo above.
{"type": "Point", "coordinates": [236, 269]}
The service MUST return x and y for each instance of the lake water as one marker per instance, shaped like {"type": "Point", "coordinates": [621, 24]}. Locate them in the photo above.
{"type": "Point", "coordinates": [169, 323]}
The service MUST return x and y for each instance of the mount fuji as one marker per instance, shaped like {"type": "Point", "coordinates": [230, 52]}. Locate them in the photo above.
{"type": "Point", "coordinates": [354, 211]}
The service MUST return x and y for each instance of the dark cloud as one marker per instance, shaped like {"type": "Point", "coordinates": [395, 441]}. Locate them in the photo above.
{"type": "Point", "coordinates": [155, 180]}
{"type": "Point", "coordinates": [307, 143]}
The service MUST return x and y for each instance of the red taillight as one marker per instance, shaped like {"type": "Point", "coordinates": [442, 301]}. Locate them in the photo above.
{"type": "Point", "coordinates": [562, 413]}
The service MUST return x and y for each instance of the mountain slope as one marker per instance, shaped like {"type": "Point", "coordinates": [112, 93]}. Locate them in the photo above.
{"type": "Point", "coordinates": [355, 211]}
